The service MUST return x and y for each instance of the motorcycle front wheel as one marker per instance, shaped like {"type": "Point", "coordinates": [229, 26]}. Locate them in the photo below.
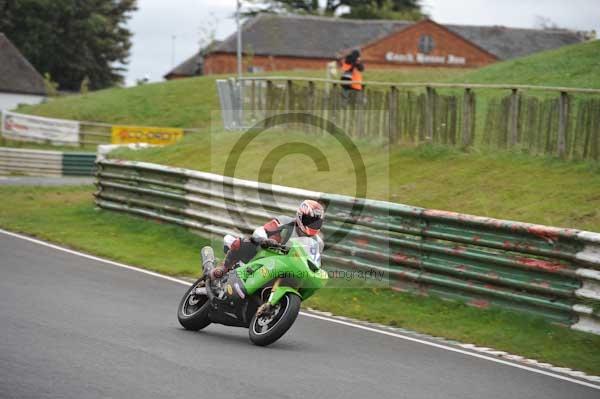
{"type": "Point", "coordinates": [193, 309]}
{"type": "Point", "coordinates": [266, 329]}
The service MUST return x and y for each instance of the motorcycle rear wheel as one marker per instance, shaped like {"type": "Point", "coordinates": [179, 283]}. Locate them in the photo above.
{"type": "Point", "coordinates": [193, 309]}
{"type": "Point", "coordinates": [265, 330]}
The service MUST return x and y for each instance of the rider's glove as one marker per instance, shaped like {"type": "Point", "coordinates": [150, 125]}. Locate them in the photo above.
{"type": "Point", "coordinates": [269, 243]}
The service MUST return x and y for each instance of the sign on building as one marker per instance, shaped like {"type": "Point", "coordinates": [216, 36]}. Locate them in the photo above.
{"type": "Point", "coordinates": [420, 58]}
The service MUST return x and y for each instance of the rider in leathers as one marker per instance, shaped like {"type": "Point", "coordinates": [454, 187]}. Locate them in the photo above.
{"type": "Point", "coordinates": [307, 223]}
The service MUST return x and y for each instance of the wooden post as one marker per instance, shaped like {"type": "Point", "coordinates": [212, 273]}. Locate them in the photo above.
{"type": "Point", "coordinates": [376, 111]}
{"type": "Point", "coordinates": [563, 120]}
{"type": "Point", "coordinates": [361, 109]}
{"type": "Point", "coordinates": [259, 97]}
{"type": "Point", "coordinates": [269, 99]}
{"type": "Point", "coordinates": [311, 103]}
{"type": "Point", "coordinates": [393, 120]}
{"type": "Point", "coordinates": [290, 96]}
{"type": "Point", "coordinates": [253, 100]}
{"type": "Point", "coordinates": [334, 95]}
{"type": "Point", "coordinates": [452, 120]}
{"type": "Point", "coordinates": [595, 130]}
{"type": "Point", "coordinates": [467, 118]}
{"type": "Point", "coordinates": [513, 121]}
{"type": "Point", "coordinates": [429, 113]}
{"type": "Point", "coordinates": [587, 128]}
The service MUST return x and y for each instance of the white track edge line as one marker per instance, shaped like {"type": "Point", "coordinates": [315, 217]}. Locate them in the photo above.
{"type": "Point", "coordinates": [92, 257]}
{"type": "Point", "coordinates": [330, 319]}
{"type": "Point", "coordinates": [452, 349]}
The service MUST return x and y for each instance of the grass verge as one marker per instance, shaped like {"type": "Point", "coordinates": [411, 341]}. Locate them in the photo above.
{"type": "Point", "coordinates": [66, 215]}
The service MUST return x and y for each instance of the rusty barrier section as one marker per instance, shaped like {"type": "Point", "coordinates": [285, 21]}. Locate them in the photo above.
{"type": "Point", "coordinates": [547, 271]}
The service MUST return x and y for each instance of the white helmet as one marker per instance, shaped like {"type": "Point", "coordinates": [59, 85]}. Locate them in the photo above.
{"type": "Point", "coordinates": [309, 217]}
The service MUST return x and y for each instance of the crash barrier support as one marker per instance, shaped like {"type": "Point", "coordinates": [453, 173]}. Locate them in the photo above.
{"type": "Point", "coordinates": [548, 271]}
{"type": "Point", "coordinates": [46, 163]}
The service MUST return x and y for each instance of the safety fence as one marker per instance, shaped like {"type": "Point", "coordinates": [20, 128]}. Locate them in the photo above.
{"type": "Point", "coordinates": [46, 163]}
{"type": "Point", "coordinates": [61, 132]}
{"type": "Point", "coordinates": [551, 272]}
{"type": "Point", "coordinates": [558, 121]}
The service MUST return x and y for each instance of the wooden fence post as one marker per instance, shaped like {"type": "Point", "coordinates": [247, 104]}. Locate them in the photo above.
{"type": "Point", "coordinates": [311, 103]}
{"type": "Point", "coordinates": [269, 99]}
{"type": "Point", "coordinates": [253, 100]}
{"type": "Point", "coordinates": [563, 121]}
{"type": "Point", "coordinates": [429, 113]}
{"type": "Point", "coordinates": [360, 109]}
{"type": "Point", "coordinates": [393, 119]}
{"type": "Point", "coordinates": [334, 95]}
{"type": "Point", "coordinates": [513, 121]}
{"type": "Point", "coordinates": [290, 96]}
{"type": "Point", "coordinates": [467, 118]}
{"type": "Point", "coordinates": [259, 99]}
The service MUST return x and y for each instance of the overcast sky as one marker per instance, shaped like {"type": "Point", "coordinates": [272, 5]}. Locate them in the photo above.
{"type": "Point", "coordinates": [157, 21]}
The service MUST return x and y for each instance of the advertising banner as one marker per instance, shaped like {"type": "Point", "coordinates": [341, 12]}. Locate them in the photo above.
{"type": "Point", "coordinates": [36, 128]}
{"type": "Point", "coordinates": [145, 134]}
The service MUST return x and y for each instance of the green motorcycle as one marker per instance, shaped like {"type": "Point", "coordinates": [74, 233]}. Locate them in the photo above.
{"type": "Point", "coordinates": [282, 275]}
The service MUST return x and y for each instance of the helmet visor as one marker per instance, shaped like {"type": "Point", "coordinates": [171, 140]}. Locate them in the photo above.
{"type": "Point", "coordinates": [312, 222]}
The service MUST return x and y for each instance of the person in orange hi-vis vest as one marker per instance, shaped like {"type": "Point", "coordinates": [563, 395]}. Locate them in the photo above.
{"type": "Point", "coordinates": [352, 68]}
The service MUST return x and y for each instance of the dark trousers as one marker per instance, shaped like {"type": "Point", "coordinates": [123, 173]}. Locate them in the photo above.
{"type": "Point", "coordinates": [242, 249]}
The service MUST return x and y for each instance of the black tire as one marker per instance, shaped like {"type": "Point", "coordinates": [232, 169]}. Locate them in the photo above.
{"type": "Point", "coordinates": [194, 317]}
{"type": "Point", "coordinates": [290, 306]}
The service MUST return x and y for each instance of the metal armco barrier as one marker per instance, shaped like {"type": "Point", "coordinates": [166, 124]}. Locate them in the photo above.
{"type": "Point", "coordinates": [550, 272]}
{"type": "Point", "coordinates": [46, 163]}
{"type": "Point", "coordinates": [78, 164]}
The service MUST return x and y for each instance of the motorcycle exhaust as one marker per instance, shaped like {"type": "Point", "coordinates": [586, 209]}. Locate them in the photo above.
{"type": "Point", "coordinates": [208, 259]}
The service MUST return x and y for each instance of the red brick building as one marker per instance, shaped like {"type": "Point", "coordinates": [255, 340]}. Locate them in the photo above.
{"type": "Point", "coordinates": [275, 42]}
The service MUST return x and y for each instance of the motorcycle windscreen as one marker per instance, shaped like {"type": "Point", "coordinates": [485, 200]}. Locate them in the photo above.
{"type": "Point", "coordinates": [311, 246]}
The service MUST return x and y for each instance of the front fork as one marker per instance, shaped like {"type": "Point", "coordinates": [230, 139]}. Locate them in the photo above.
{"type": "Point", "coordinates": [278, 292]}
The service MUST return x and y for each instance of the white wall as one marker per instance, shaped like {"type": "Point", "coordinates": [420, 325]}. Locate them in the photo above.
{"type": "Point", "coordinates": [10, 101]}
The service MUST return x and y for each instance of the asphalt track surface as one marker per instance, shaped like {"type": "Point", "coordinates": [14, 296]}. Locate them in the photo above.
{"type": "Point", "coordinates": [74, 327]}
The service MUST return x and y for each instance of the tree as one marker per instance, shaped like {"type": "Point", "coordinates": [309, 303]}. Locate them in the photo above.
{"type": "Point", "coordinates": [297, 6]}
{"type": "Point", "coordinates": [71, 39]}
{"type": "Point", "coordinates": [374, 9]}
{"type": "Point", "coordinates": [545, 23]}
{"type": "Point", "coordinates": [387, 9]}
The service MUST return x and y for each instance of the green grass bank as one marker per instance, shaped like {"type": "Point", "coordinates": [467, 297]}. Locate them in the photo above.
{"type": "Point", "coordinates": [190, 102]}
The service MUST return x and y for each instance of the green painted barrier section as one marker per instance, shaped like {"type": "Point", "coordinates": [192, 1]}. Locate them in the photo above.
{"type": "Point", "coordinates": [46, 163]}
{"type": "Point", "coordinates": [78, 164]}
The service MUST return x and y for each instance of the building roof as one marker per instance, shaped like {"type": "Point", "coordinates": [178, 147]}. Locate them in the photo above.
{"type": "Point", "coordinates": [307, 36]}
{"type": "Point", "coordinates": [193, 65]}
{"type": "Point", "coordinates": [506, 43]}
{"type": "Point", "coordinates": [17, 75]}
{"type": "Point", "coordinates": [323, 37]}
{"type": "Point", "coordinates": [189, 67]}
